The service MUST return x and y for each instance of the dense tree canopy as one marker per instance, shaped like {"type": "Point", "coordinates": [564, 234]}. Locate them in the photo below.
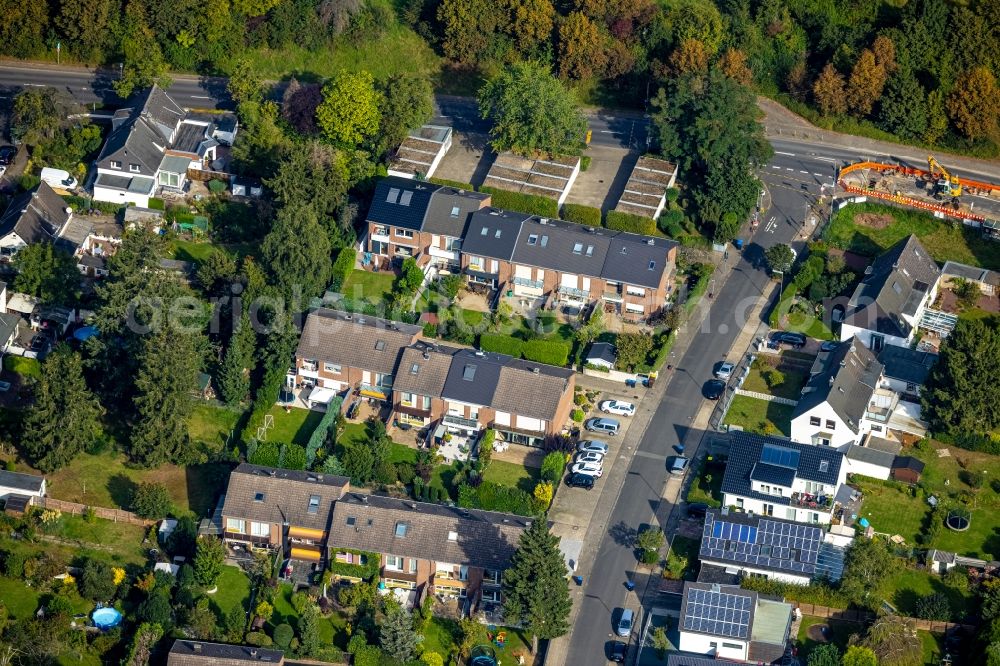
{"type": "Point", "coordinates": [47, 272]}
{"type": "Point", "coordinates": [350, 112]}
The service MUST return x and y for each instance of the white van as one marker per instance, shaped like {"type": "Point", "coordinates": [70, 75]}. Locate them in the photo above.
{"type": "Point", "coordinates": [58, 178]}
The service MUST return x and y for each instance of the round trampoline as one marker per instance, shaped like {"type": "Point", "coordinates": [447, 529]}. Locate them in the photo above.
{"type": "Point", "coordinates": [958, 520]}
{"type": "Point", "coordinates": [106, 618]}
{"type": "Point", "coordinates": [482, 655]}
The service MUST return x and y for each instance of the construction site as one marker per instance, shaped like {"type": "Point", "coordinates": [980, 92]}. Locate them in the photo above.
{"type": "Point", "coordinates": [934, 189]}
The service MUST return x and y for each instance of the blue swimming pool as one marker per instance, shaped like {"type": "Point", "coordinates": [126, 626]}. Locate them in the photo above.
{"type": "Point", "coordinates": [106, 618]}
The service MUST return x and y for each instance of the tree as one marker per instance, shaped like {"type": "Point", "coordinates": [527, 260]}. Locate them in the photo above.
{"type": "Point", "coordinates": [65, 416]}
{"type": "Point", "coordinates": [143, 63]}
{"type": "Point", "coordinates": [218, 269]}
{"type": "Point", "coordinates": [894, 641]}
{"type": "Point", "coordinates": [396, 635]}
{"type": "Point", "coordinates": [208, 560]}
{"type": "Point", "coordinates": [145, 639]}
{"type": "Point", "coordinates": [151, 500]}
{"type": "Point", "coordinates": [581, 47]}
{"type": "Point", "coordinates": [349, 115]}
{"type": "Point", "coordinates": [299, 104]}
{"type": "Point", "coordinates": [866, 564]}
{"type": "Point", "coordinates": [903, 108]}
{"type": "Point", "coordinates": [38, 114]}
{"type": "Point", "coordinates": [885, 53]}
{"type": "Point", "coordinates": [972, 103]}
{"type": "Point", "coordinates": [543, 494]}
{"type": "Point", "coordinates": [967, 292]}
{"type": "Point", "coordinates": [937, 119]}
{"type": "Point", "coordinates": [283, 635]}
{"type": "Point", "coordinates": [864, 88]}
{"type": "Point", "coordinates": [690, 57]}
{"type": "Point", "coordinates": [535, 587]}
{"type": "Point", "coordinates": [829, 91]}
{"type": "Point", "coordinates": [989, 595]}
{"type": "Point", "coordinates": [960, 391]}
{"type": "Point", "coordinates": [22, 32]}
{"type": "Point", "coordinates": [933, 607]}
{"type": "Point", "coordinates": [531, 24]}
{"type": "Point", "coordinates": [359, 463]}
{"type": "Point", "coordinates": [234, 374]}
{"type": "Point", "coordinates": [858, 655]}
{"type": "Point", "coordinates": [407, 103]}
{"type": "Point", "coordinates": [633, 348]}
{"type": "Point", "coordinates": [169, 363]}
{"type": "Point", "coordinates": [826, 654]}
{"type": "Point", "coordinates": [733, 64]}
{"type": "Point", "coordinates": [779, 257]}
{"type": "Point", "coordinates": [531, 111]}
{"type": "Point", "coordinates": [245, 85]}
{"type": "Point", "coordinates": [297, 252]}
{"type": "Point", "coordinates": [468, 28]}
{"type": "Point", "coordinates": [651, 538]}
{"type": "Point", "coordinates": [253, 8]}
{"type": "Point", "coordinates": [96, 581]}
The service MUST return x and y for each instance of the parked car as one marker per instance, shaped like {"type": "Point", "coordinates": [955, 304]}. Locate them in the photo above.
{"type": "Point", "coordinates": [590, 456]}
{"type": "Point", "coordinates": [791, 338]}
{"type": "Point", "coordinates": [588, 468]}
{"type": "Point", "coordinates": [7, 155]}
{"type": "Point", "coordinates": [618, 407]}
{"type": "Point", "coordinates": [609, 427]}
{"type": "Point", "coordinates": [725, 370]}
{"type": "Point", "coordinates": [4, 386]}
{"type": "Point", "coordinates": [829, 346]}
{"type": "Point", "coordinates": [697, 510]}
{"type": "Point", "coordinates": [713, 389]}
{"type": "Point", "coordinates": [585, 481]}
{"type": "Point", "coordinates": [595, 445]}
{"type": "Point", "coordinates": [617, 651]}
{"type": "Point", "coordinates": [624, 624]}
{"type": "Point", "coordinates": [39, 343]}
{"type": "Point", "coordinates": [677, 464]}
{"type": "Point", "coordinates": [59, 178]}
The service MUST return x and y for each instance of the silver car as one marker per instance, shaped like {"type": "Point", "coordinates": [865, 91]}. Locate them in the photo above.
{"type": "Point", "coordinates": [589, 469]}
{"type": "Point", "coordinates": [591, 457]}
{"type": "Point", "coordinates": [595, 445]}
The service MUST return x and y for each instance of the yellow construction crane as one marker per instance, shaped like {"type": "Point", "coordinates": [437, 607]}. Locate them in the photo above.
{"type": "Point", "coordinates": [947, 183]}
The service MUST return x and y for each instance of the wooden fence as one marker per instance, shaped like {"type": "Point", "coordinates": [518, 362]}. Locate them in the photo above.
{"type": "Point", "coordinates": [933, 626]}
{"type": "Point", "coordinates": [116, 515]}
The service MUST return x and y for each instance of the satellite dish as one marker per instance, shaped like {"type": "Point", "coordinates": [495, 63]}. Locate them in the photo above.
{"type": "Point", "coordinates": [69, 210]}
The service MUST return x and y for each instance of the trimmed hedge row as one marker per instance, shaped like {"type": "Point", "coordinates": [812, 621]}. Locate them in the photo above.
{"type": "Point", "coordinates": [546, 351]}
{"type": "Point", "coordinates": [502, 344]}
{"type": "Point", "coordinates": [457, 184]}
{"type": "Point", "coordinates": [524, 203]}
{"type": "Point", "coordinates": [636, 224]}
{"type": "Point", "coordinates": [366, 571]}
{"type": "Point", "coordinates": [582, 214]}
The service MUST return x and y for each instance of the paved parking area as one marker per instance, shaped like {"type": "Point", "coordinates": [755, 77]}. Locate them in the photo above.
{"type": "Point", "coordinates": [603, 182]}
{"type": "Point", "coordinates": [469, 159]}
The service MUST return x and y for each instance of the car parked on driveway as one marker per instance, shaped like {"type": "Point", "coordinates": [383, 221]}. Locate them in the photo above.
{"type": "Point", "coordinates": [609, 427]}
{"type": "Point", "coordinates": [617, 407]}
{"type": "Point", "coordinates": [588, 468]}
{"type": "Point", "coordinates": [7, 155]}
{"type": "Point", "coordinates": [590, 456]}
{"type": "Point", "coordinates": [725, 370]}
{"type": "Point", "coordinates": [585, 481]}
{"type": "Point", "coordinates": [790, 338]}
{"type": "Point", "coordinates": [713, 389]}
{"type": "Point", "coordinates": [829, 346]}
{"type": "Point", "coordinates": [594, 445]}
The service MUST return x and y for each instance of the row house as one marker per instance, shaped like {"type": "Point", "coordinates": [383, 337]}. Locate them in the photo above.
{"type": "Point", "coordinates": [200, 653]}
{"type": "Point", "coordinates": [775, 477]}
{"type": "Point", "coordinates": [418, 219]}
{"type": "Point", "coordinates": [572, 264]}
{"type": "Point", "coordinates": [280, 509]}
{"type": "Point", "coordinates": [463, 391]}
{"type": "Point", "coordinates": [342, 350]}
{"type": "Point", "coordinates": [445, 551]}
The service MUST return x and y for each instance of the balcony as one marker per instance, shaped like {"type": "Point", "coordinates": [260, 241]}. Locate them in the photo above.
{"type": "Point", "coordinates": [460, 421]}
{"type": "Point", "coordinates": [525, 282]}
{"type": "Point", "coordinates": [807, 501]}
{"type": "Point", "coordinates": [372, 391]}
{"type": "Point", "coordinates": [573, 292]}
{"type": "Point", "coordinates": [612, 296]}
{"type": "Point", "coordinates": [445, 579]}
{"type": "Point", "coordinates": [261, 541]}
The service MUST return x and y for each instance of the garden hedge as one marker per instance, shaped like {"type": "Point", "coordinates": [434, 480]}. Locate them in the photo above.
{"type": "Point", "coordinates": [366, 571]}
{"type": "Point", "coordinates": [523, 203]}
{"type": "Point", "coordinates": [636, 224]}
{"type": "Point", "coordinates": [582, 214]}
{"type": "Point", "coordinates": [546, 351]}
{"type": "Point", "coordinates": [457, 184]}
{"type": "Point", "coordinates": [503, 344]}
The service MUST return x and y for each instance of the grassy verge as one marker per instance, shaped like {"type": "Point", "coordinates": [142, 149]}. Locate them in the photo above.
{"type": "Point", "coordinates": [790, 388]}
{"type": "Point", "coordinates": [760, 416]}
{"type": "Point", "coordinates": [682, 560]}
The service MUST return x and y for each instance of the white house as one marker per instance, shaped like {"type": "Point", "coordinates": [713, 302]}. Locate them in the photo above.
{"type": "Point", "coordinates": [37, 216]}
{"type": "Point", "coordinates": [842, 401]}
{"type": "Point", "coordinates": [728, 622]}
{"type": "Point", "coordinates": [17, 483]}
{"type": "Point", "coordinates": [905, 370]}
{"type": "Point", "coordinates": [153, 144]}
{"type": "Point", "coordinates": [890, 301]}
{"type": "Point", "coordinates": [776, 477]}
{"type": "Point", "coordinates": [603, 355]}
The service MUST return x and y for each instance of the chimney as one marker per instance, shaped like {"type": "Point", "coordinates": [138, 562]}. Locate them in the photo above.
{"type": "Point", "coordinates": [196, 647]}
{"type": "Point", "coordinates": [535, 370]}
{"type": "Point", "coordinates": [253, 652]}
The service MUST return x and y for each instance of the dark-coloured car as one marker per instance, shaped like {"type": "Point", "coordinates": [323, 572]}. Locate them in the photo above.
{"type": "Point", "coordinates": [697, 510]}
{"type": "Point", "coordinates": [790, 338]}
{"type": "Point", "coordinates": [617, 651]}
{"type": "Point", "coordinates": [7, 155]}
{"type": "Point", "coordinates": [713, 389]}
{"type": "Point", "coordinates": [829, 346]}
{"type": "Point", "coordinates": [584, 481]}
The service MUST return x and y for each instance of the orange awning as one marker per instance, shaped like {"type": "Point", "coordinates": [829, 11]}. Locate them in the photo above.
{"type": "Point", "coordinates": [305, 533]}
{"type": "Point", "coordinates": [372, 393]}
{"type": "Point", "coordinates": [306, 554]}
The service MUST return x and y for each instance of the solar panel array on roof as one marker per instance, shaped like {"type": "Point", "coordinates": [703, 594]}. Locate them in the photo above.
{"type": "Point", "coordinates": [772, 544]}
{"type": "Point", "coordinates": [779, 455]}
{"type": "Point", "coordinates": [718, 613]}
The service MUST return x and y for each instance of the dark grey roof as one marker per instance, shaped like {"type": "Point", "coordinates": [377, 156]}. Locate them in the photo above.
{"type": "Point", "coordinates": [284, 495]}
{"type": "Point", "coordinates": [638, 260]}
{"type": "Point", "coordinates": [562, 246]}
{"type": "Point", "coordinates": [436, 532]}
{"type": "Point", "coordinates": [718, 610]}
{"type": "Point", "coordinates": [76, 232]}
{"type": "Point", "coordinates": [765, 473]}
{"type": "Point", "coordinates": [189, 137]}
{"type": "Point", "coordinates": [760, 542]}
{"type": "Point", "coordinates": [869, 455]}
{"type": "Point", "coordinates": [184, 653]}
{"type": "Point", "coordinates": [35, 216]}
{"type": "Point", "coordinates": [443, 218]}
{"type": "Point", "coordinates": [934, 555]}
{"type": "Point", "coordinates": [20, 481]}
{"type": "Point", "coordinates": [884, 445]}
{"type": "Point", "coordinates": [905, 364]}
{"type": "Point", "coordinates": [141, 137]}
{"type": "Point", "coordinates": [473, 376]}
{"type": "Point", "coordinates": [847, 382]}
{"type": "Point", "coordinates": [113, 181]}
{"type": "Point", "coordinates": [355, 340]}
{"type": "Point", "coordinates": [985, 276]}
{"type": "Point", "coordinates": [893, 285]}
{"type": "Point", "coordinates": [8, 324]}
{"type": "Point", "coordinates": [745, 450]}
{"type": "Point", "coordinates": [908, 462]}
{"type": "Point", "coordinates": [604, 351]}
{"type": "Point", "coordinates": [691, 659]}
{"type": "Point", "coordinates": [493, 233]}
{"type": "Point", "coordinates": [401, 202]}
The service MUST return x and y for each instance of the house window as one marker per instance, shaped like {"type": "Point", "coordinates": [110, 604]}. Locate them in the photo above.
{"type": "Point", "coordinates": [814, 517]}
{"type": "Point", "coordinates": [455, 210]}
{"type": "Point", "coordinates": [452, 536]}
{"type": "Point", "coordinates": [814, 420]}
{"type": "Point", "coordinates": [491, 576]}
{"type": "Point", "coordinates": [790, 514]}
{"type": "Point", "coordinates": [314, 504]}
{"type": "Point", "coordinates": [413, 565]}
{"type": "Point", "coordinates": [333, 368]}
{"type": "Point", "coordinates": [876, 428]}
{"type": "Point", "coordinates": [476, 263]}
{"type": "Point", "coordinates": [169, 179]}
{"type": "Point", "coordinates": [633, 308]}
{"type": "Point", "coordinates": [115, 164]}
{"type": "Point", "coordinates": [427, 402]}
{"type": "Point", "coordinates": [260, 529]}
{"type": "Point", "coordinates": [878, 341]}
{"type": "Point", "coordinates": [235, 525]}
{"type": "Point", "coordinates": [635, 291]}
{"type": "Point", "coordinates": [134, 168]}
{"type": "Point", "coordinates": [577, 248]}
{"type": "Point", "coordinates": [714, 645]}
{"type": "Point", "coordinates": [406, 400]}
{"type": "Point", "coordinates": [732, 646]}
{"type": "Point", "coordinates": [820, 440]}
{"type": "Point", "coordinates": [532, 239]}
{"type": "Point", "coordinates": [393, 563]}
{"type": "Point", "coordinates": [404, 233]}
{"type": "Point", "coordinates": [491, 595]}
{"type": "Point", "coordinates": [258, 497]}
{"type": "Point", "coordinates": [768, 510]}
{"type": "Point", "coordinates": [831, 424]}
{"type": "Point", "coordinates": [402, 529]}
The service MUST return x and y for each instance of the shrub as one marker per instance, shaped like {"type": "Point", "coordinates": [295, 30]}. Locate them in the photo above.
{"type": "Point", "coordinates": [650, 557]}
{"type": "Point", "coordinates": [585, 162]}
{"type": "Point", "coordinates": [283, 635]}
{"type": "Point", "coordinates": [216, 186]}
{"type": "Point", "coordinates": [258, 639]}
{"type": "Point", "coordinates": [524, 203]}
{"type": "Point", "coordinates": [13, 563]}
{"type": "Point", "coordinates": [637, 224]}
{"type": "Point", "coordinates": [933, 607]}
{"type": "Point", "coordinates": [543, 494]}
{"type": "Point", "coordinates": [502, 344]}
{"type": "Point", "coordinates": [553, 465]}
{"type": "Point", "coordinates": [579, 399]}
{"type": "Point", "coordinates": [151, 500]}
{"type": "Point", "coordinates": [342, 268]}
{"type": "Point", "coordinates": [577, 415]}
{"type": "Point", "coordinates": [582, 214]}
{"type": "Point", "coordinates": [293, 456]}
{"type": "Point", "coordinates": [406, 473]}
{"type": "Point", "coordinates": [549, 352]}
{"type": "Point", "coordinates": [266, 454]}
{"type": "Point", "coordinates": [773, 377]}
{"type": "Point", "coordinates": [28, 181]}
{"type": "Point", "coordinates": [385, 473]}
{"type": "Point", "coordinates": [450, 285]}
{"type": "Point", "coordinates": [457, 184]}
{"type": "Point", "coordinates": [491, 496]}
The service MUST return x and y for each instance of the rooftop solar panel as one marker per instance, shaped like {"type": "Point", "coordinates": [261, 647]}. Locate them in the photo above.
{"type": "Point", "coordinates": [769, 544]}
{"type": "Point", "coordinates": [718, 613]}
{"type": "Point", "coordinates": [779, 455]}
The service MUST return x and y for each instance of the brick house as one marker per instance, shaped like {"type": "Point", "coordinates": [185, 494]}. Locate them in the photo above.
{"type": "Point", "coordinates": [560, 262]}
{"type": "Point", "coordinates": [418, 219]}
{"type": "Point", "coordinates": [280, 509]}
{"type": "Point", "coordinates": [465, 391]}
{"type": "Point", "coordinates": [450, 552]}
{"type": "Point", "coordinates": [340, 350]}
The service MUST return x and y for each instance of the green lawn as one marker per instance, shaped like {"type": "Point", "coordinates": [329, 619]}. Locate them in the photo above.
{"type": "Point", "coordinates": [892, 511]}
{"type": "Point", "coordinates": [944, 239]}
{"type": "Point", "coordinates": [707, 486]}
{"type": "Point", "coordinates": [332, 628]}
{"type": "Point", "coordinates": [26, 367]}
{"type": "Point", "coordinates": [760, 416]}
{"type": "Point", "coordinates": [234, 590]}
{"type": "Point", "coordinates": [513, 475]}
{"type": "Point", "coordinates": [373, 287]}
{"type": "Point", "coordinates": [791, 387]}
{"type": "Point", "coordinates": [814, 327]}
{"type": "Point", "coordinates": [682, 561]}
{"type": "Point", "coordinates": [933, 647]}
{"type": "Point", "coordinates": [839, 633]}
{"type": "Point", "coordinates": [193, 251]}
{"type": "Point", "coordinates": [442, 633]}
{"type": "Point", "coordinates": [21, 601]}
{"type": "Point", "coordinates": [123, 539]}
{"type": "Point", "coordinates": [905, 586]}
{"type": "Point", "coordinates": [294, 426]}
{"type": "Point", "coordinates": [213, 425]}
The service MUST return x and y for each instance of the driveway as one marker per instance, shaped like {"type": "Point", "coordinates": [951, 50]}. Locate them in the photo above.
{"type": "Point", "coordinates": [601, 185]}
{"type": "Point", "coordinates": [469, 159]}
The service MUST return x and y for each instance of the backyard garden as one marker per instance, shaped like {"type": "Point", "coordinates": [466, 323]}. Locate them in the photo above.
{"type": "Point", "coordinates": [760, 416]}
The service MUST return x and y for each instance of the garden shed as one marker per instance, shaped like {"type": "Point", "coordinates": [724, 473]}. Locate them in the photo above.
{"type": "Point", "coordinates": [907, 469]}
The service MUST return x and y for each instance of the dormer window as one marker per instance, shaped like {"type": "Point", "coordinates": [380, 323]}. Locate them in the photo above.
{"type": "Point", "coordinates": [115, 164]}
{"type": "Point", "coordinates": [313, 503]}
{"type": "Point", "coordinates": [258, 497]}
{"type": "Point", "coordinates": [134, 168]}
{"type": "Point", "coordinates": [455, 210]}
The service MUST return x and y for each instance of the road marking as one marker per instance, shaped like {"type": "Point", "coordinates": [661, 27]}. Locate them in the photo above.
{"type": "Point", "coordinates": [778, 152]}
{"type": "Point", "coordinates": [826, 159]}
{"type": "Point", "coordinates": [818, 175]}
{"type": "Point", "coordinates": [34, 85]}
{"type": "Point", "coordinates": [774, 166]}
{"type": "Point", "coordinates": [805, 172]}
{"type": "Point", "coordinates": [654, 456]}
{"type": "Point", "coordinates": [200, 97]}
{"type": "Point", "coordinates": [771, 225]}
